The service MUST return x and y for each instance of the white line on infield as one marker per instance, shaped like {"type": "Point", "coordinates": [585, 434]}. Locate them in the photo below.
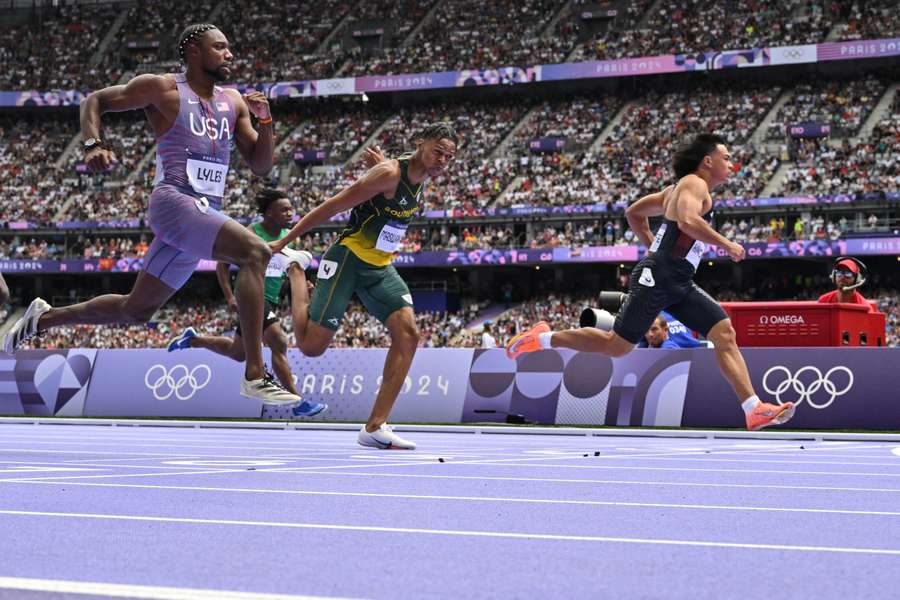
{"type": "Point", "coordinates": [830, 511]}
{"type": "Point", "coordinates": [118, 590]}
{"type": "Point", "coordinates": [461, 533]}
{"type": "Point", "coordinates": [603, 481]}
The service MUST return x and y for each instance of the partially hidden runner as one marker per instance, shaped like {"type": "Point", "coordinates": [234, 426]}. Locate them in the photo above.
{"type": "Point", "coordinates": [277, 214]}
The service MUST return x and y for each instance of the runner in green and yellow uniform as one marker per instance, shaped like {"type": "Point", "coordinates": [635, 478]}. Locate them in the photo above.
{"type": "Point", "coordinates": [277, 213]}
{"type": "Point", "coordinates": [383, 202]}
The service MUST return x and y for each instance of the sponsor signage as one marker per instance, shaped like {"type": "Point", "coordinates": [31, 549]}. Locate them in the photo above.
{"type": "Point", "coordinates": [833, 388]}
{"type": "Point", "coordinates": [644, 65]}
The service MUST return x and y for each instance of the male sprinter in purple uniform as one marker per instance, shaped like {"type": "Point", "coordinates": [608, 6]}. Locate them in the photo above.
{"type": "Point", "coordinates": [195, 122]}
{"type": "Point", "coordinates": [664, 279]}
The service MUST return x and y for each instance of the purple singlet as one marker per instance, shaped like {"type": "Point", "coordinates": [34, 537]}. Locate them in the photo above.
{"type": "Point", "coordinates": [191, 169]}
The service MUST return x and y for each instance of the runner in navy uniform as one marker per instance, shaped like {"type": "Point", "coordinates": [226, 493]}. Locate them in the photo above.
{"type": "Point", "coordinates": [664, 279]}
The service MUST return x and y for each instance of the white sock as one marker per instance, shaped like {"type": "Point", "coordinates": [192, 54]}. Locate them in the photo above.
{"type": "Point", "coordinates": [749, 404]}
{"type": "Point", "coordinates": [544, 339]}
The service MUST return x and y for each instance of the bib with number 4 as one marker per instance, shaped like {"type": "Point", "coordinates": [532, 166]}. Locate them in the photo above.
{"type": "Point", "coordinates": [390, 237]}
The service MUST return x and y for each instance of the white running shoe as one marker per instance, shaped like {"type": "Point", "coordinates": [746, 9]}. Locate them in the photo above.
{"type": "Point", "coordinates": [301, 257]}
{"type": "Point", "coordinates": [26, 327]}
{"type": "Point", "coordinates": [383, 438]}
{"type": "Point", "coordinates": [268, 391]}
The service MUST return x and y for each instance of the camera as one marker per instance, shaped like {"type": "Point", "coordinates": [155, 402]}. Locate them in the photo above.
{"type": "Point", "coordinates": [604, 316]}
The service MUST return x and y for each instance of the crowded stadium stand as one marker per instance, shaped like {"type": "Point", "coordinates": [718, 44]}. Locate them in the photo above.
{"type": "Point", "coordinates": [528, 140]}
{"type": "Point", "coordinates": [585, 151]}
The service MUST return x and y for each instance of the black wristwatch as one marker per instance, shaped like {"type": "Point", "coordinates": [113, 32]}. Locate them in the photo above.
{"type": "Point", "coordinates": [91, 143]}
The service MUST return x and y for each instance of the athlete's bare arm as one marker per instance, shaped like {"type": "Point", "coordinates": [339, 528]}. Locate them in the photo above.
{"type": "Point", "coordinates": [638, 214]}
{"type": "Point", "coordinates": [689, 196]}
{"type": "Point", "coordinates": [372, 156]}
{"type": "Point", "coordinates": [141, 92]}
{"type": "Point", "coordinates": [382, 178]}
{"type": "Point", "coordinates": [256, 146]}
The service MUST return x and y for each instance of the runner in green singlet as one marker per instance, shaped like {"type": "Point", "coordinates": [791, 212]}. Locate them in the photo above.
{"type": "Point", "coordinates": [277, 213]}
{"type": "Point", "coordinates": [382, 203]}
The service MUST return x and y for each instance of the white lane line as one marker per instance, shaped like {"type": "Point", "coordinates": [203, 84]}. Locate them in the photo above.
{"type": "Point", "coordinates": [119, 590]}
{"type": "Point", "coordinates": [701, 458]}
{"type": "Point", "coordinates": [119, 475]}
{"type": "Point", "coordinates": [172, 445]}
{"type": "Point", "coordinates": [830, 511]}
{"type": "Point", "coordinates": [76, 466]}
{"type": "Point", "coordinates": [460, 533]}
{"type": "Point", "coordinates": [127, 453]}
{"type": "Point", "coordinates": [37, 469]}
{"type": "Point", "coordinates": [603, 481]}
{"type": "Point", "coordinates": [506, 464]}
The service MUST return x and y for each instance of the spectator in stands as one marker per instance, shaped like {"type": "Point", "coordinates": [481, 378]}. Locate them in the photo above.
{"type": "Point", "coordinates": [487, 340]}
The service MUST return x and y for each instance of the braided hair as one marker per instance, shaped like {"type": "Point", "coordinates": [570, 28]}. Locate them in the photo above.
{"type": "Point", "coordinates": [439, 131]}
{"type": "Point", "coordinates": [191, 34]}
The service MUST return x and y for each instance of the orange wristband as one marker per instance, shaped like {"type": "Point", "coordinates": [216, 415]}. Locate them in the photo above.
{"type": "Point", "coordinates": [265, 121]}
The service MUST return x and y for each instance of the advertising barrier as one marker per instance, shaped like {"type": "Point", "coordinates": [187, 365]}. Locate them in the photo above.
{"type": "Point", "coordinates": [833, 388]}
{"type": "Point", "coordinates": [520, 256]}
{"type": "Point", "coordinates": [643, 65]}
{"type": "Point", "coordinates": [512, 211]}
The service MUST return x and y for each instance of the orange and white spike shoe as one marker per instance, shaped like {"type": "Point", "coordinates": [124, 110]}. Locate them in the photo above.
{"type": "Point", "coordinates": [527, 341]}
{"type": "Point", "coordinates": [766, 414]}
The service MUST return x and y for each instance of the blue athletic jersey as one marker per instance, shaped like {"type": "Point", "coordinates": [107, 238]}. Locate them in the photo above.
{"type": "Point", "coordinates": [679, 335]}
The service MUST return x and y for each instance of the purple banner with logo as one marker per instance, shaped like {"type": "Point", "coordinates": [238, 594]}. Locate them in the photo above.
{"type": "Point", "coordinates": [519, 256]}
{"type": "Point", "coordinates": [199, 383]}
{"type": "Point", "coordinates": [305, 157]}
{"type": "Point", "coordinates": [519, 210]}
{"type": "Point", "coordinates": [46, 383]}
{"type": "Point", "coordinates": [547, 144]}
{"type": "Point", "coordinates": [858, 49]}
{"type": "Point", "coordinates": [137, 383]}
{"type": "Point", "coordinates": [348, 381]}
{"type": "Point", "coordinates": [810, 130]}
{"type": "Point", "coordinates": [645, 65]}
{"type": "Point", "coordinates": [833, 388]}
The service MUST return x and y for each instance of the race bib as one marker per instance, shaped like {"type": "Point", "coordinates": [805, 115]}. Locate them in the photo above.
{"type": "Point", "coordinates": [695, 253]}
{"type": "Point", "coordinates": [658, 239]}
{"type": "Point", "coordinates": [390, 237]}
{"type": "Point", "coordinates": [207, 177]}
{"type": "Point", "coordinates": [327, 269]}
{"type": "Point", "coordinates": [276, 265]}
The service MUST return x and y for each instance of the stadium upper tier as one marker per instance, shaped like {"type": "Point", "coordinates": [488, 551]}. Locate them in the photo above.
{"type": "Point", "coordinates": [85, 46]}
{"type": "Point", "coordinates": [604, 150]}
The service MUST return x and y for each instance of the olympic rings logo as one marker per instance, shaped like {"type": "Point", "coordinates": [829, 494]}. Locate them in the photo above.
{"type": "Point", "coordinates": [165, 383]}
{"type": "Point", "coordinates": [804, 390]}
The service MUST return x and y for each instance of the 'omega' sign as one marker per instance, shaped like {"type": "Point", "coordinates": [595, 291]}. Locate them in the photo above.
{"type": "Point", "coordinates": [781, 320]}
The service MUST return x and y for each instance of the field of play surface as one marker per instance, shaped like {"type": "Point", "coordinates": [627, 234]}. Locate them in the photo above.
{"type": "Point", "coordinates": [176, 512]}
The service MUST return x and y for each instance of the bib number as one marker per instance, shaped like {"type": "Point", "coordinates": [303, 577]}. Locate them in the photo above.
{"type": "Point", "coordinates": [207, 177]}
{"type": "Point", "coordinates": [390, 237]}
{"type": "Point", "coordinates": [658, 239]}
{"type": "Point", "coordinates": [275, 268]}
{"type": "Point", "coordinates": [696, 253]}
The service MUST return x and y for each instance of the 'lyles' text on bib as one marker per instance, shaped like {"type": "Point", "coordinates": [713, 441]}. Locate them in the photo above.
{"type": "Point", "coordinates": [207, 177]}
